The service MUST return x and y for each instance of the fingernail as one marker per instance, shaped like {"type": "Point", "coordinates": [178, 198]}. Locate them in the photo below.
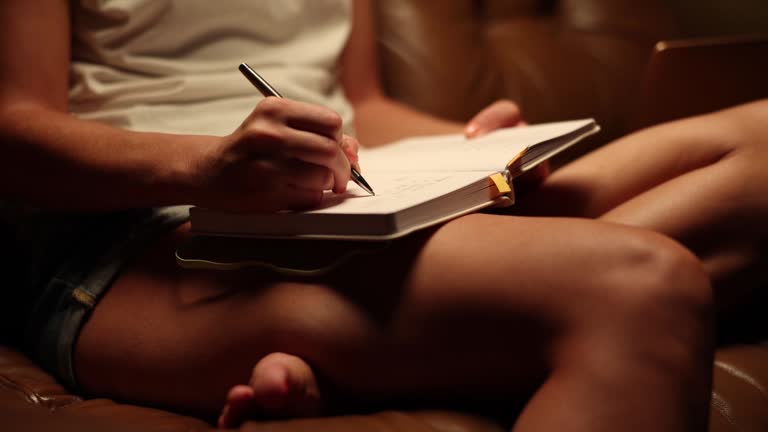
{"type": "Point", "coordinates": [357, 168]}
{"type": "Point", "coordinates": [471, 130]}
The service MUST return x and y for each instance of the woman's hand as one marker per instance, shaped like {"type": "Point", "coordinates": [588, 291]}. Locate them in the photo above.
{"type": "Point", "coordinates": [283, 156]}
{"type": "Point", "coordinates": [501, 114]}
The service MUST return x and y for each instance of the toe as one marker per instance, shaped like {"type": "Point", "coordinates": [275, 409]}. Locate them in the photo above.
{"type": "Point", "coordinates": [285, 386]}
{"type": "Point", "coordinates": [238, 408]}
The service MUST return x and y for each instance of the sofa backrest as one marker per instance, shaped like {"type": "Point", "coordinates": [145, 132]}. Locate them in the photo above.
{"type": "Point", "coordinates": [558, 58]}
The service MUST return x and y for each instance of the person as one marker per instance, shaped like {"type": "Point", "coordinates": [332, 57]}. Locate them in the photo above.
{"type": "Point", "coordinates": [603, 303]}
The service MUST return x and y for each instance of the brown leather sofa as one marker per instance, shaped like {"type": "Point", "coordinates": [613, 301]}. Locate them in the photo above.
{"type": "Point", "coordinates": [559, 59]}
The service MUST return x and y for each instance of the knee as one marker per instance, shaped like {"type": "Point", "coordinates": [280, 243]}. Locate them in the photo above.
{"type": "Point", "coordinates": [744, 126]}
{"type": "Point", "coordinates": [741, 189]}
{"type": "Point", "coordinates": [664, 278]}
{"type": "Point", "coordinates": [660, 302]}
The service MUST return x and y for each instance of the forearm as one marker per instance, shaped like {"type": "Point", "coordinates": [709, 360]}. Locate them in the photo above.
{"type": "Point", "coordinates": [380, 120]}
{"type": "Point", "coordinates": [53, 160]}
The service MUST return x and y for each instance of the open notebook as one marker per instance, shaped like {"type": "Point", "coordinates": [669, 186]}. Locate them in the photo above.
{"type": "Point", "coordinates": [419, 182]}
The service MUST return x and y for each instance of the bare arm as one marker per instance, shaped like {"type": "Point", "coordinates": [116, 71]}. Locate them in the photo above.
{"type": "Point", "coordinates": [53, 160]}
{"type": "Point", "coordinates": [379, 119]}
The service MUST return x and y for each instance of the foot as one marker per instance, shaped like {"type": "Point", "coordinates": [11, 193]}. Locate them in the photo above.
{"type": "Point", "coordinates": [281, 385]}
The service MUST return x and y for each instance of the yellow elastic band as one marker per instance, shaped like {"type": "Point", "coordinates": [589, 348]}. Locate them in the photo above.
{"type": "Point", "coordinates": [500, 181]}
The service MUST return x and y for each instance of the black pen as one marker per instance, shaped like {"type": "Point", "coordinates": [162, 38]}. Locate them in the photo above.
{"type": "Point", "coordinates": [267, 90]}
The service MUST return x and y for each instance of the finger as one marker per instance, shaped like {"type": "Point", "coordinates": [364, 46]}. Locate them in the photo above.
{"type": "Point", "coordinates": [350, 146]}
{"type": "Point", "coordinates": [319, 150]}
{"type": "Point", "coordinates": [307, 176]}
{"type": "Point", "coordinates": [272, 141]}
{"type": "Point", "coordinates": [294, 174]}
{"type": "Point", "coordinates": [284, 185]}
{"type": "Point", "coordinates": [503, 113]}
{"type": "Point", "coordinates": [342, 173]}
{"type": "Point", "coordinates": [310, 147]}
{"type": "Point", "coordinates": [300, 115]}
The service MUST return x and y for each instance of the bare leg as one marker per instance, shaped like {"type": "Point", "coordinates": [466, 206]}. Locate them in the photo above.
{"type": "Point", "coordinates": [608, 318]}
{"type": "Point", "coordinates": [701, 181]}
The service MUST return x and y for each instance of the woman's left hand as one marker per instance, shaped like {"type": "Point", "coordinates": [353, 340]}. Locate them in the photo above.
{"type": "Point", "coordinates": [500, 114]}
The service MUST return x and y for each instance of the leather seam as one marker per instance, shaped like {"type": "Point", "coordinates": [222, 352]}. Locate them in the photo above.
{"type": "Point", "coordinates": [33, 397]}
{"type": "Point", "coordinates": [724, 408]}
{"type": "Point", "coordinates": [740, 374]}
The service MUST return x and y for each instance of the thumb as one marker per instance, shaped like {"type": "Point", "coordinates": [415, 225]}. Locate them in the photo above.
{"type": "Point", "coordinates": [500, 114]}
{"type": "Point", "coordinates": [350, 147]}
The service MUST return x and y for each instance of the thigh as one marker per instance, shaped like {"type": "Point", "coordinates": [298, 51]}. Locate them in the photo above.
{"type": "Point", "coordinates": [477, 302]}
{"type": "Point", "coordinates": [616, 173]}
{"type": "Point", "coordinates": [701, 181]}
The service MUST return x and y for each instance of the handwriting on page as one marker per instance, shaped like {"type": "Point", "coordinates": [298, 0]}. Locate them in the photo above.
{"type": "Point", "coordinates": [397, 191]}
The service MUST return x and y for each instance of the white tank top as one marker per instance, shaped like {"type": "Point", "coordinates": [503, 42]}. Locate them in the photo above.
{"type": "Point", "coordinates": [171, 65]}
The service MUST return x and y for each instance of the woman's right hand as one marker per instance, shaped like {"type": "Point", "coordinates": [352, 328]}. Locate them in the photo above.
{"type": "Point", "coordinates": [283, 156]}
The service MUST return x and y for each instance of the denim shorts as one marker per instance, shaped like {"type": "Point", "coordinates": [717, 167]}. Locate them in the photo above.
{"type": "Point", "coordinates": [65, 300]}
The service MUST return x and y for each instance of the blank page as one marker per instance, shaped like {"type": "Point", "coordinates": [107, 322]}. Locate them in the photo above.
{"type": "Point", "coordinates": [453, 153]}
